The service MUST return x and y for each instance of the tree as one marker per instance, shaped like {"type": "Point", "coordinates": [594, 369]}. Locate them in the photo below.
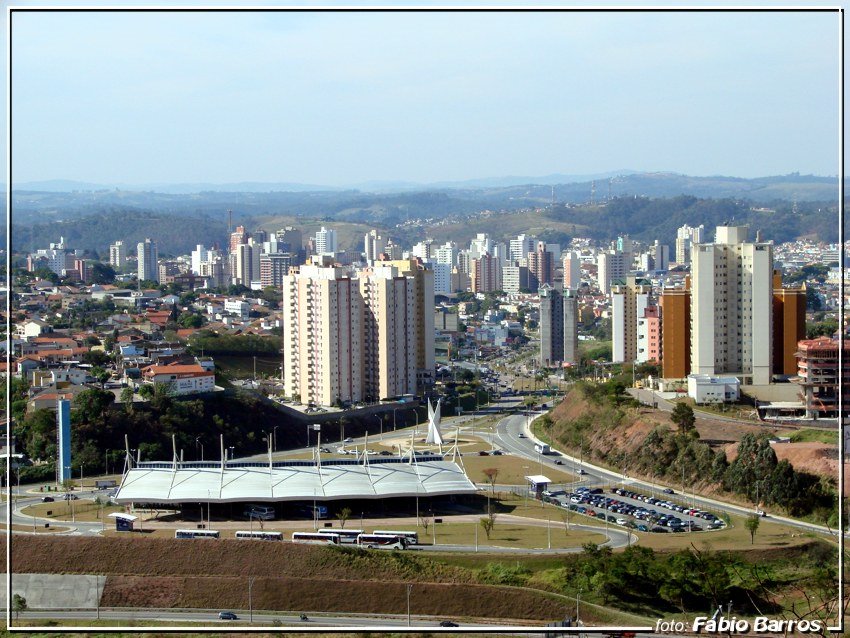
{"type": "Point", "coordinates": [343, 515]}
{"type": "Point", "coordinates": [752, 525]}
{"type": "Point", "coordinates": [487, 524]}
{"type": "Point", "coordinates": [683, 416]}
{"type": "Point", "coordinates": [91, 405]}
{"type": "Point", "coordinates": [146, 391]}
{"type": "Point", "coordinates": [127, 399]}
{"type": "Point", "coordinates": [492, 473]}
{"type": "Point", "coordinates": [19, 604]}
{"type": "Point", "coordinates": [102, 273]}
{"type": "Point", "coordinates": [100, 375]}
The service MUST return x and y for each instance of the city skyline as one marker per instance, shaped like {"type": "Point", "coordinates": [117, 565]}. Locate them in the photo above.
{"type": "Point", "coordinates": [337, 99]}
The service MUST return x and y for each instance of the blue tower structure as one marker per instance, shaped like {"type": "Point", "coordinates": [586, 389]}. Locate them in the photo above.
{"type": "Point", "coordinates": [63, 440]}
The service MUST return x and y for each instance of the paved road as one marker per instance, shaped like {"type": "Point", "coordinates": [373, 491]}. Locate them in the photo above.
{"type": "Point", "coordinates": [508, 433]}
{"type": "Point", "coordinates": [287, 619]}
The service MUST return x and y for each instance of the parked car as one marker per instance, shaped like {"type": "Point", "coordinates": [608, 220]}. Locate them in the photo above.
{"type": "Point", "coordinates": [227, 615]}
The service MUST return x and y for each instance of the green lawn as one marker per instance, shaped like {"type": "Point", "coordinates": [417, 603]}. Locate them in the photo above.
{"type": "Point", "coordinates": [809, 435]}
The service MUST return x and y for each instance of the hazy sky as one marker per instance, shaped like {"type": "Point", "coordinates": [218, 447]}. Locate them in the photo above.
{"type": "Point", "coordinates": [340, 98]}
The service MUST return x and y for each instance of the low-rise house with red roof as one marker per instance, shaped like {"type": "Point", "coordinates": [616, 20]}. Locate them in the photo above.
{"type": "Point", "coordinates": [181, 378]}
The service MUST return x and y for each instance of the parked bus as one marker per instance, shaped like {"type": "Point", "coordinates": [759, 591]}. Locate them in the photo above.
{"type": "Point", "coordinates": [263, 536]}
{"type": "Point", "coordinates": [381, 541]}
{"type": "Point", "coordinates": [196, 533]}
{"type": "Point", "coordinates": [412, 538]}
{"type": "Point", "coordinates": [315, 538]}
{"type": "Point", "coordinates": [345, 535]}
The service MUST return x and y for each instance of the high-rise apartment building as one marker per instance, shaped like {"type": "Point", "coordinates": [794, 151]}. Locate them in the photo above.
{"type": "Point", "coordinates": [686, 237]}
{"type": "Point", "coordinates": [198, 255]}
{"type": "Point", "coordinates": [661, 255]}
{"type": "Point", "coordinates": [572, 271]}
{"type": "Point", "coordinates": [611, 265]}
{"type": "Point", "coordinates": [118, 255]}
{"type": "Point", "coordinates": [373, 245]}
{"type": "Point", "coordinates": [442, 279]}
{"type": "Point", "coordinates": [322, 316]}
{"type": "Point", "coordinates": [147, 255]}
{"type": "Point", "coordinates": [168, 269]}
{"type": "Point", "coordinates": [629, 300]}
{"type": "Point", "coordinates": [732, 307]}
{"type": "Point", "coordinates": [480, 246]}
{"type": "Point", "coordinates": [424, 250]}
{"type": "Point", "coordinates": [290, 240]}
{"type": "Point", "coordinates": [273, 267]}
{"type": "Point", "coordinates": [486, 274]}
{"type": "Point", "coordinates": [558, 327]}
{"type": "Point", "coordinates": [675, 304]}
{"type": "Point", "coordinates": [238, 237]}
{"type": "Point", "coordinates": [244, 272]}
{"type": "Point", "coordinates": [389, 336]}
{"type": "Point", "coordinates": [446, 254]}
{"type": "Point", "coordinates": [789, 325]}
{"type": "Point", "coordinates": [514, 278]}
{"type": "Point", "coordinates": [571, 319]}
{"type": "Point", "coordinates": [519, 247]}
{"type": "Point", "coordinates": [423, 280]}
{"type": "Point", "coordinates": [325, 242]}
{"type": "Point", "coordinates": [540, 266]}
{"type": "Point", "coordinates": [551, 326]}
{"type": "Point", "coordinates": [649, 335]}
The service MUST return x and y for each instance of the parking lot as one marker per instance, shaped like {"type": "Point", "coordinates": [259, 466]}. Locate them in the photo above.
{"type": "Point", "coordinates": [637, 510]}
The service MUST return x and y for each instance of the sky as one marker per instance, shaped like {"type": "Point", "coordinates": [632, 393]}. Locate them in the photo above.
{"type": "Point", "coordinates": [338, 98]}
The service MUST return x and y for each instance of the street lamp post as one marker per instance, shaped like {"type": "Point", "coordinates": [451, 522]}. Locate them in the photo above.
{"type": "Point", "coordinates": [409, 587]}
{"type": "Point", "coordinates": [250, 599]}
{"type": "Point", "coordinates": [380, 425]}
{"type": "Point", "coordinates": [274, 438]}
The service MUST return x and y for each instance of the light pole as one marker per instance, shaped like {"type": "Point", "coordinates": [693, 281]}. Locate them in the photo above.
{"type": "Point", "coordinates": [578, 598]}
{"type": "Point", "coordinates": [380, 425]}
{"type": "Point", "coordinates": [409, 587]}
{"type": "Point", "coordinates": [274, 438]}
{"type": "Point", "coordinates": [250, 588]}
{"type": "Point", "coordinates": [197, 443]}
{"type": "Point", "coordinates": [82, 468]}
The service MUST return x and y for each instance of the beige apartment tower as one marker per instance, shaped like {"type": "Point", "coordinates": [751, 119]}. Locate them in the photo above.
{"type": "Point", "coordinates": [389, 335]}
{"type": "Point", "coordinates": [423, 319]}
{"type": "Point", "coordinates": [322, 336]}
{"type": "Point", "coordinates": [732, 307]}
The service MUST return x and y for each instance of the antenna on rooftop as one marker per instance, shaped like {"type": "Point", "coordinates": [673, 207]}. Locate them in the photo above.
{"type": "Point", "coordinates": [229, 221]}
{"type": "Point", "coordinates": [592, 191]}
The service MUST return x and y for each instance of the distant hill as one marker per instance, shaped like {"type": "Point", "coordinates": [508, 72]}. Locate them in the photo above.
{"type": "Point", "coordinates": [644, 205]}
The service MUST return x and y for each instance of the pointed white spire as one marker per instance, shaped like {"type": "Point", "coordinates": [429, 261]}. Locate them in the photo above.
{"type": "Point", "coordinates": [434, 434]}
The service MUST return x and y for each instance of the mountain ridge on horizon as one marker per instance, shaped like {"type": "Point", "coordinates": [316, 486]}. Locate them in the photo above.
{"type": "Point", "coordinates": [553, 179]}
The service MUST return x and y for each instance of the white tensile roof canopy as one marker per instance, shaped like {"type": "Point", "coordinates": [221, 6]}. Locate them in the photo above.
{"type": "Point", "coordinates": [234, 481]}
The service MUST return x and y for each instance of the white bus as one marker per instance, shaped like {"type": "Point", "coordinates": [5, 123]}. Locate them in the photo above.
{"type": "Point", "coordinates": [412, 538]}
{"type": "Point", "coordinates": [196, 533]}
{"type": "Point", "coordinates": [263, 536]}
{"type": "Point", "coordinates": [381, 541]}
{"type": "Point", "coordinates": [315, 538]}
{"type": "Point", "coordinates": [345, 535]}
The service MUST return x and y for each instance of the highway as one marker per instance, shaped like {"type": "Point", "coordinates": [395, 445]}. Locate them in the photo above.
{"type": "Point", "coordinates": [280, 619]}
{"type": "Point", "coordinates": [508, 438]}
